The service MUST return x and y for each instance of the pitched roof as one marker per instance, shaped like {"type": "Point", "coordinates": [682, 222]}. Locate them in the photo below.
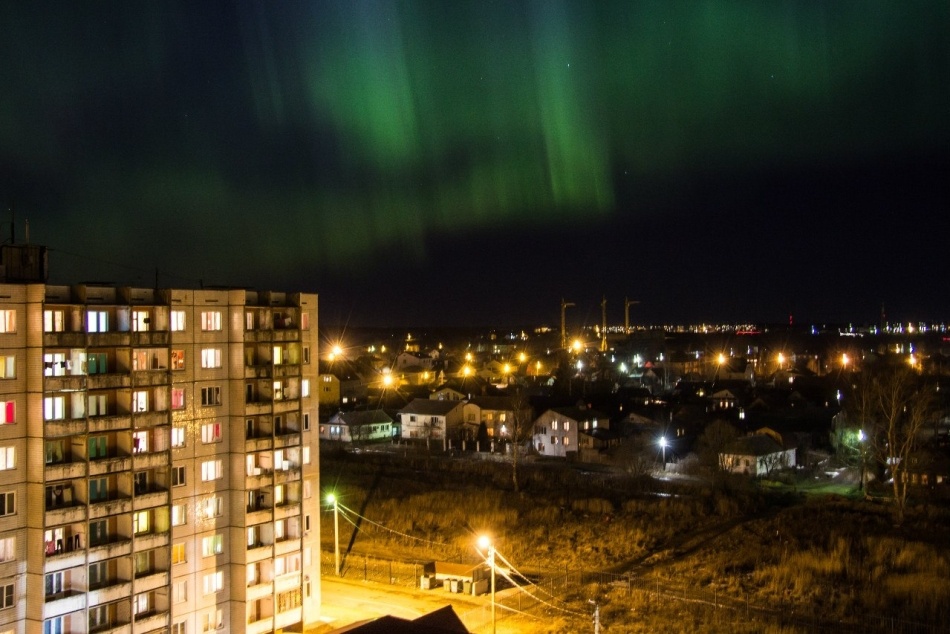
{"type": "Point", "coordinates": [578, 414]}
{"type": "Point", "coordinates": [755, 445]}
{"type": "Point", "coordinates": [429, 407]}
{"type": "Point", "coordinates": [368, 417]}
{"type": "Point", "coordinates": [503, 403]}
{"type": "Point", "coordinates": [442, 621]}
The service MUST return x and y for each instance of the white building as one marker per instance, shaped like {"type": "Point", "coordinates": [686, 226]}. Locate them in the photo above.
{"type": "Point", "coordinates": [158, 469]}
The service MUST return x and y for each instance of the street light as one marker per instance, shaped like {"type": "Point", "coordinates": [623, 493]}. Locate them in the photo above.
{"type": "Point", "coordinates": [485, 543]}
{"type": "Point", "coordinates": [331, 499]}
{"type": "Point", "coordinates": [861, 439]}
{"type": "Point", "coordinates": [663, 447]}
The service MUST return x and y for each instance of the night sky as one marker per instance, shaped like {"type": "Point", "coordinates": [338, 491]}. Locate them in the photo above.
{"type": "Point", "coordinates": [450, 162]}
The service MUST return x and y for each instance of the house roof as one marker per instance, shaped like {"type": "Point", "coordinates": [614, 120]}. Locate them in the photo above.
{"type": "Point", "coordinates": [578, 414]}
{"type": "Point", "coordinates": [442, 621]}
{"type": "Point", "coordinates": [368, 417]}
{"type": "Point", "coordinates": [429, 407]}
{"type": "Point", "coordinates": [755, 445]}
{"type": "Point", "coordinates": [503, 403]}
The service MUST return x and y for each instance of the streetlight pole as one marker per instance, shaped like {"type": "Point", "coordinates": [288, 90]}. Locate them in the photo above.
{"type": "Point", "coordinates": [336, 533]}
{"type": "Point", "coordinates": [663, 447]}
{"type": "Point", "coordinates": [861, 439]}
{"type": "Point", "coordinates": [484, 542]}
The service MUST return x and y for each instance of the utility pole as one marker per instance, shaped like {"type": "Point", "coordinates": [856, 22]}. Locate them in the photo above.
{"type": "Point", "coordinates": [603, 324]}
{"type": "Point", "coordinates": [627, 303]}
{"type": "Point", "coordinates": [596, 617]}
{"type": "Point", "coordinates": [564, 307]}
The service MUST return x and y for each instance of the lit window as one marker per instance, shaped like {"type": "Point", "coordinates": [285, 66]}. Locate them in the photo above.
{"type": "Point", "coordinates": [211, 470]}
{"type": "Point", "coordinates": [306, 455]}
{"type": "Point", "coordinates": [140, 442]}
{"type": "Point", "coordinates": [7, 412]}
{"type": "Point", "coordinates": [305, 387]}
{"type": "Point", "coordinates": [178, 398]}
{"type": "Point", "coordinates": [178, 320]}
{"type": "Point", "coordinates": [140, 401]}
{"type": "Point", "coordinates": [140, 320]}
{"type": "Point", "coordinates": [212, 545]}
{"type": "Point", "coordinates": [7, 549]}
{"type": "Point", "coordinates": [211, 432]}
{"type": "Point", "coordinates": [54, 408]}
{"type": "Point", "coordinates": [53, 321]}
{"type": "Point", "coordinates": [179, 595]}
{"type": "Point", "coordinates": [140, 522]}
{"type": "Point", "coordinates": [211, 358]}
{"type": "Point", "coordinates": [178, 436]}
{"type": "Point", "coordinates": [7, 321]}
{"type": "Point", "coordinates": [178, 553]}
{"type": "Point", "coordinates": [179, 514]}
{"type": "Point", "coordinates": [7, 458]}
{"type": "Point", "coordinates": [178, 359]}
{"type": "Point", "coordinates": [97, 321]}
{"type": "Point", "coordinates": [211, 507]}
{"type": "Point", "coordinates": [7, 366]}
{"type": "Point", "coordinates": [212, 620]}
{"type": "Point", "coordinates": [211, 320]}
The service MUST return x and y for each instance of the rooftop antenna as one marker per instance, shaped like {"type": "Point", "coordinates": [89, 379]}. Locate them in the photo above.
{"type": "Point", "coordinates": [564, 307]}
{"type": "Point", "coordinates": [627, 303]}
{"type": "Point", "coordinates": [603, 324]}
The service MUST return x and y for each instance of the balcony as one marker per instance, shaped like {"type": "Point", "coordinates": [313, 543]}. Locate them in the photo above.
{"type": "Point", "coordinates": [287, 404]}
{"type": "Point", "coordinates": [150, 338]}
{"type": "Point", "coordinates": [288, 618]}
{"type": "Point", "coordinates": [149, 460]}
{"type": "Point", "coordinates": [290, 474]}
{"type": "Point", "coordinates": [262, 371]}
{"type": "Point", "coordinates": [113, 627]}
{"type": "Point", "coordinates": [288, 581]}
{"type": "Point", "coordinates": [118, 547]}
{"type": "Point", "coordinates": [257, 407]}
{"type": "Point", "coordinates": [286, 335]}
{"type": "Point", "coordinates": [257, 516]}
{"type": "Point", "coordinates": [64, 603]}
{"type": "Point", "coordinates": [65, 471]}
{"type": "Point", "coordinates": [290, 509]}
{"type": "Point", "coordinates": [287, 439]}
{"type": "Point", "coordinates": [109, 423]}
{"type": "Point", "coordinates": [151, 419]}
{"type": "Point", "coordinates": [112, 591]}
{"type": "Point", "coordinates": [68, 383]}
{"type": "Point", "coordinates": [259, 553]}
{"type": "Point", "coordinates": [53, 428]}
{"type": "Point", "coordinates": [108, 381]}
{"type": "Point", "coordinates": [287, 546]}
{"type": "Point", "coordinates": [259, 591]}
{"type": "Point", "coordinates": [66, 515]}
{"type": "Point", "coordinates": [149, 499]}
{"type": "Point", "coordinates": [258, 444]}
{"type": "Point", "coordinates": [152, 581]}
{"type": "Point", "coordinates": [151, 622]}
{"type": "Point", "coordinates": [258, 480]}
{"type": "Point", "coordinates": [266, 624]}
{"type": "Point", "coordinates": [64, 340]}
{"type": "Point", "coordinates": [286, 370]}
{"type": "Point", "coordinates": [100, 466]}
{"type": "Point", "coordinates": [147, 378]}
{"type": "Point", "coordinates": [64, 559]}
{"type": "Point", "coordinates": [108, 339]}
{"type": "Point", "coordinates": [148, 541]}
{"type": "Point", "coordinates": [104, 508]}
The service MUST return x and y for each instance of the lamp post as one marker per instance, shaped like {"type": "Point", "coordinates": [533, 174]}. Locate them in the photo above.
{"type": "Point", "coordinates": [336, 533]}
{"type": "Point", "coordinates": [861, 439]}
{"type": "Point", "coordinates": [663, 447]}
{"type": "Point", "coordinates": [486, 543]}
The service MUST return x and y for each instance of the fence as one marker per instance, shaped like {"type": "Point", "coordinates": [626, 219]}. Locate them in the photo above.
{"type": "Point", "coordinates": [706, 605]}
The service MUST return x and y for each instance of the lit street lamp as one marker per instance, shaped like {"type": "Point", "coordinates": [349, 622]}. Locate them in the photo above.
{"type": "Point", "coordinates": [336, 532]}
{"type": "Point", "coordinates": [485, 543]}
{"type": "Point", "coordinates": [861, 439]}
{"type": "Point", "coordinates": [663, 447]}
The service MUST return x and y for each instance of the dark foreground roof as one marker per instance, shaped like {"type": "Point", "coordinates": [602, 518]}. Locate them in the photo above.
{"type": "Point", "coordinates": [442, 621]}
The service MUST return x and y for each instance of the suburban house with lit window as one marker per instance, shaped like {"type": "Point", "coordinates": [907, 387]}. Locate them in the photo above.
{"type": "Point", "coordinates": [758, 454]}
{"type": "Point", "coordinates": [367, 426]}
{"type": "Point", "coordinates": [340, 385]}
{"type": "Point", "coordinates": [557, 430]}
{"type": "Point", "coordinates": [497, 412]}
{"type": "Point", "coordinates": [431, 420]}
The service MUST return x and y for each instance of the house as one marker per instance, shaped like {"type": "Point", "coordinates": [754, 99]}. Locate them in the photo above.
{"type": "Point", "coordinates": [442, 621]}
{"type": "Point", "coordinates": [366, 426]}
{"type": "Point", "coordinates": [422, 361]}
{"type": "Point", "coordinates": [556, 430]}
{"type": "Point", "coordinates": [758, 454]}
{"type": "Point", "coordinates": [428, 419]}
{"type": "Point", "coordinates": [497, 412]}
{"type": "Point", "coordinates": [340, 385]}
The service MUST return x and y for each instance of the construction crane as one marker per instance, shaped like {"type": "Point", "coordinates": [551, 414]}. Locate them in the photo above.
{"type": "Point", "coordinates": [564, 307]}
{"type": "Point", "coordinates": [627, 303]}
{"type": "Point", "coordinates": [603, 324]}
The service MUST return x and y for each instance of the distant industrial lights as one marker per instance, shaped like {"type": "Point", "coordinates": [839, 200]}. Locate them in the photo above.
{"type": "Point", "coordinates": [576, 345]}
{"type": "Point", "coordinates": [721, 358]}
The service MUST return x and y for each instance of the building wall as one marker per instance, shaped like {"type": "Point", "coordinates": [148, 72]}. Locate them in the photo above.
{"type": "Point", "coordinates": [129, 494]}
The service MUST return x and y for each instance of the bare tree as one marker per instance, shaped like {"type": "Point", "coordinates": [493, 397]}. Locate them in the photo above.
{"type": "Point", "coordinates": [895, 405]}
{"type": "Point", "coordinates": [521, 428]}
{"type": "Point", "coordinates": [713, 443]}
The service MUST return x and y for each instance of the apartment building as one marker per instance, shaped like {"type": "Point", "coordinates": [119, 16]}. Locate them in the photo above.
{"type": "Point", "coordinates": [158, 460]}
